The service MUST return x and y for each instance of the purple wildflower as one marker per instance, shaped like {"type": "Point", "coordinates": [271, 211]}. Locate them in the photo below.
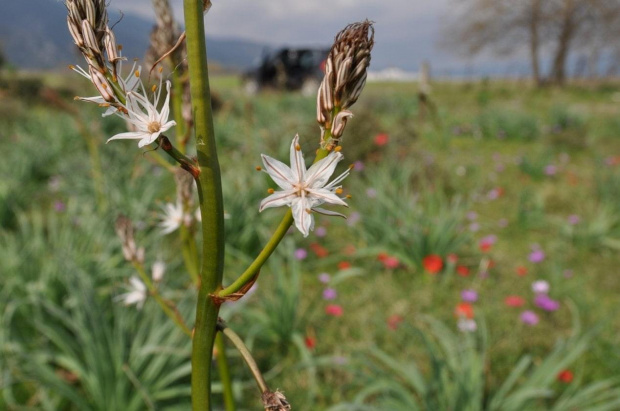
{"type": "Point", "coordinates": [573, 219]}
{"type": "Point", "coordinates": [469, 296]}
{"type": "Point", "coordinates": [329, 294]}
{"type": "Point", "coordinates": [320, 231]}
{"type": "Point", "coordinates": [353, 218]}
{"type": "Point", "coordinates": [301, 254]}
{"type": "Point", "coordinates": [59, 206]}
{"type": "Point", "coordinates": [324, 278]}
{"type": "Point", "coordinates": [546, 303]}
{"type": "Point", "coordinates": [551, 170]}
{"type": "Point", "coordinates": [358, 166]}
{"type": "Point", "coordinates": [529, 317]}
{"type": "Point", "coordinates": [537, 255]}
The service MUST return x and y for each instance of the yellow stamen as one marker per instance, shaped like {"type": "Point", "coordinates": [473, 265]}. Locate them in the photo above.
{"type": "Point", "coordinates": [308, 211]}
{"type": "Point", "coordinates": [351, 166]}
{"type": "Point", "coordinates": [161, 69]}
{"type": "Point", "coordinates": [258, 168]}
{"type": "Point", "coordinates": [271, 191]}
{"type": "Point", "coordinates": [154, 127]}
{"type": "Point", "coordinates": [136, 73]}
{"type": "Point", "coordinates": [297, 147]}
{"type": "Point", "coordinates": [71, 67]}
{"type": "Point", "coordinates": [154, 88]}
{"type": "Point", "coordinates": [339, 191]}
{"type": "Point", "coordinates": [349, 196]}
{"type": "Point", "coordinates": [338, 148]}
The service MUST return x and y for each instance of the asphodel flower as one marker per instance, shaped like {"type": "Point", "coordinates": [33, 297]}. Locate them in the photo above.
{"type": "Point", "coordinates": [303, 190]}
{"type": "Point", "coordinates": [148, 121]}
{"type": "Point", "coordinates": [345, 77]}
{"type": "Point", "coordinates": [136, 295]}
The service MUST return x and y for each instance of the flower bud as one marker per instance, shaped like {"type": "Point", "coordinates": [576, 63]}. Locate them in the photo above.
{"type": "Point", "coordinates": [345, 77]}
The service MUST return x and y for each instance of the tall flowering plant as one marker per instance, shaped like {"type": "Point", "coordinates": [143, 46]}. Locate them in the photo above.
{"type": "Point", "coordinates": [146, 110]}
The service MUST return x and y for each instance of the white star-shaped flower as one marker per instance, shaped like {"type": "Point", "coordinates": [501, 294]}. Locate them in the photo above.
{"type": "Point", "coordinates": [128, 84]}
{"type": "Point", "coordinates": [136, 294]}
{"type": "Point", "coordinates": [304, 190]}
{"type": "Point", "coordinates": [149, 122]}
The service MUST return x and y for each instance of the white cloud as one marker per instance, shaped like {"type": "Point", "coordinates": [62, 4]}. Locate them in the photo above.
{"type": "Point", "coordinates": [407, 31]}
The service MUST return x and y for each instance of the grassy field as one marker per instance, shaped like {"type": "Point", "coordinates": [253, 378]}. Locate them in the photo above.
{"type": "Point", "coordinates": [499, 185]}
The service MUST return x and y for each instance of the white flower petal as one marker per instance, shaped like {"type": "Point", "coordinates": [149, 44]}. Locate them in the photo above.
{"type": "Point", "coordinates": [278, 199]}
{"type": "Point", "coordinates": [150, 138]}
{"type": "Point", "coordinates": [298, 166]}
{"type": "Point", "coordinates": [304, 220]}
{"type": "Point", "coordinates": [279, 172]}
{"type": "Point", "coordinates": [329, 213]}
{"type": "Point", "coordinates": [326, 196]}
{"type": "Point", "coordinates": [321, 171]}
{"type": "Point", "coordinates": [131, 135]}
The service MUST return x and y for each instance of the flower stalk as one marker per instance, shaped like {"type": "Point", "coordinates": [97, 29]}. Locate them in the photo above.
{"type": "Point", "coordinates": [211, 207]}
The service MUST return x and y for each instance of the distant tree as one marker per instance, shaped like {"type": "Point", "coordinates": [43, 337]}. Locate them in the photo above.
{"type": "Point", "coordinates": [557, 26]}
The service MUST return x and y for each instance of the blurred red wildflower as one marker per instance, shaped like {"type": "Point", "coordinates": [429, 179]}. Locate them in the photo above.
{"type": "Point", "coordinates": [521, 271]}
{"type": "Point", "coordinates": [565, 376]}
{"type": "Point", "coordinates": [462, 271]}
{"type": "Point", "coordinates": [432, 263]}
{"type": "Point", "coordinates": [464, 310]}
{"type": "Point", "coordinates": [319, 250]}
{"type": "Point", "coordinates": [382, 139]}
{"type": "Point", "coordinates": [394, 321]}
{"type": "Point", "coordinates": [452, 258]}
{"type": "Point", "coordinates": [343, 265]}
{"type": "Point", "coordinates": [334, 310]}
{"type": "Point", "coordinates": [514, 301]}
{"type": "Point", "coordinates": [388, 261]}
{"type": "Point", "coordinates": [310, 342]}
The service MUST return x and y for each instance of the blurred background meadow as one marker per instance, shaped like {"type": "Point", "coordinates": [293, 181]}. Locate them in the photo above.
{"type": "Point", "coordinates": [477, 269]}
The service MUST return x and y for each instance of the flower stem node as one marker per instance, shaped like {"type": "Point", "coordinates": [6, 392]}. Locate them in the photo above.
{"type": "Point", "coordinates": [303, 190]}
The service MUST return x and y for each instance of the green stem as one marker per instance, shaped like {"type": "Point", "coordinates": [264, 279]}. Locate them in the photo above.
{"type": "Point", "coordinates": [211, 207]}
{"type": "Point", "coordinates": [269, 248]}
{"type": "Point", "coordinates": [166, 305]}
{"type": "Point", "coordinates": [246, 354]}
{"type": "Point", "coordinates": [222, 363]}
{"type": "Point", "coordinates": [262, 257]}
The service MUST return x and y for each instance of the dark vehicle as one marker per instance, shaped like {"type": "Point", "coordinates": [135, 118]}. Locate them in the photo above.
{"type": "Point", "coordinates": [288, 69]}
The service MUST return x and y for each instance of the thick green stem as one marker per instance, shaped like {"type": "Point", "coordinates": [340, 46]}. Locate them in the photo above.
{"type": "Point", "coordinates": [211, 207]}
{"type": "Point", "coordinates": [222, 364]}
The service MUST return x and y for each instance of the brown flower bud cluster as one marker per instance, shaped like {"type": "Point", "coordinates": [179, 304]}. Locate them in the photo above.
{"type": "Point", "coordinates": [275, 401]}
{"type": "Point", "coordinates": [345, 77]}
{"type": "Point", "coordinates": [88, 25]}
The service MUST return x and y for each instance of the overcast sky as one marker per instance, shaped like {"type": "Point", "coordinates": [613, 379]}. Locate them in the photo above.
{"type": "Point", "coordinates": [407, 31]}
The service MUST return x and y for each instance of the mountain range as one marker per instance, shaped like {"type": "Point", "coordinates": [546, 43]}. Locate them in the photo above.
{"type": "Point", "coordinates": [34, 35]}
